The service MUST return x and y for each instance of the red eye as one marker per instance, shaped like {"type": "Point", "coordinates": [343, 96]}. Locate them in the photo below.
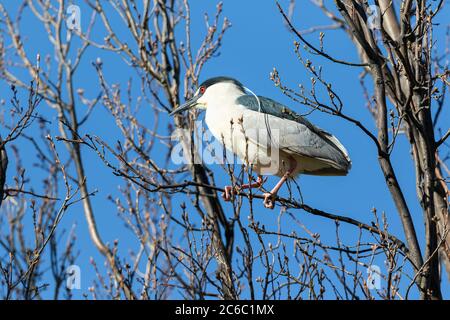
{"type": "Point", "coordinates": [202, 90]}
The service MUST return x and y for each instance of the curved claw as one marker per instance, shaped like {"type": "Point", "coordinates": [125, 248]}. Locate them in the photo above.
{"type": "Point", "coordinates": [269, 200]}
{"type": "Point", "coordinates": [229, 192]}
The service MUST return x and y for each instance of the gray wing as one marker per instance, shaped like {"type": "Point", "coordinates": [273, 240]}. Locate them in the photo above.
{"type": "Point", "coordinates": [309, 140]}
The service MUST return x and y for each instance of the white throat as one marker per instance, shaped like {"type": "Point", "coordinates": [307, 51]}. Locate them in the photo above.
{"type": "Point", "coordinates": [222, 109]}
{"type": "Point", "coordinates": [222, 95]}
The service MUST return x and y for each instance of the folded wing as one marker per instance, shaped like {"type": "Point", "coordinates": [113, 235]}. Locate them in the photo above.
{"type": "Point", "coordinates": [296, 135]}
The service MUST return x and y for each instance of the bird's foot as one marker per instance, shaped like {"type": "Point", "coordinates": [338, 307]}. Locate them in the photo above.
{"type": "Point", "coordinates": [269, 200]}
{"type": "Point", "coordinates": [229, 192]}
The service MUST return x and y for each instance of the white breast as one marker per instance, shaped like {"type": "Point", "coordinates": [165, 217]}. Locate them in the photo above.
{"type": "Point", "coordinates": [244, 133]}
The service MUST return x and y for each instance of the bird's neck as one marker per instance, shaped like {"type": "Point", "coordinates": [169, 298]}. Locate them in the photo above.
{"type": "Point", "coordinates": [221, 110]}
{"type": "Point", "coordinates": [224, 98]}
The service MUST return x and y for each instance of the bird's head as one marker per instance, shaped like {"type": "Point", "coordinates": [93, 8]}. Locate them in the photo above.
{"type": "Point", "coordinates": [211, 90]}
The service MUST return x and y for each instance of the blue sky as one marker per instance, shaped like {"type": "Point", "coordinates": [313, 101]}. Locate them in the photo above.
{"type": "Point", "coordinates": [257, 42]}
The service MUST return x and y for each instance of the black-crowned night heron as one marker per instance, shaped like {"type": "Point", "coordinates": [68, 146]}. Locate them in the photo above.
{"type": "Point", "coordinates": [266, 135]}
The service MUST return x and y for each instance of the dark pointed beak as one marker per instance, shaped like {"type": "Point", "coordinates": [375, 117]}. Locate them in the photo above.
{"type": "Point", "coordinates": [185, 106]}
